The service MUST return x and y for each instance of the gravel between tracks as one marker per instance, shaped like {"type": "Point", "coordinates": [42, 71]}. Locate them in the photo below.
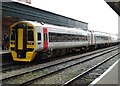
{"type": "Point", "coordinates": [62, 77]}
{"type": "Point", "coordinates": [29, 69]}
{"type": "Point", "coordinates": [70, 72]}
{"type": "Point", "coordinates": [91, 76]}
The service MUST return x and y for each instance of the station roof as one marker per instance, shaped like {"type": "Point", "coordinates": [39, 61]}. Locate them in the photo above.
{"type": "Point", "coordinates": [115, 5]}
{"type": "Point", "coordinates": [21, 10]}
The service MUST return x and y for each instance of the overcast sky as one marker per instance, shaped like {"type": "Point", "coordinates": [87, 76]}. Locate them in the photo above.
{"type": "Point", "coordinates": [96, 13]}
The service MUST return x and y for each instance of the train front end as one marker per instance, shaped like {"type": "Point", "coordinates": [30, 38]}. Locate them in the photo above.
{"type": "Point", "coordinates": [22, 41]}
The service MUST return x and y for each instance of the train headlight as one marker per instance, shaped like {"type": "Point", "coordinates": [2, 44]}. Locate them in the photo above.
{"type": "Point", "coordinates": [19, 56]}
{"type": "Point", "coordinates": [12, 42]}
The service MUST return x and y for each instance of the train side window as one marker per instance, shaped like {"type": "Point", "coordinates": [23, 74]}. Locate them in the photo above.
{"type": "Point", "coordinates": [51, 37]}
{"type": "Point", "coordinates": [86, 38]}
{"type": "Point", "coordinates": [58, 37]}
{"type": "Point", "coordinates": [13, 35]}
{"type": "Point", "coordinates": [39, 36]}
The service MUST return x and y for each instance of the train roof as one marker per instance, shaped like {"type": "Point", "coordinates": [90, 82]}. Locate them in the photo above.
{"type": "Point", "coordinates": [35, 23]}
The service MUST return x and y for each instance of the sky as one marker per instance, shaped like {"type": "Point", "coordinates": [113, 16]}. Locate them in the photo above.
{"type": "Point", "coordinates": [97, 13]}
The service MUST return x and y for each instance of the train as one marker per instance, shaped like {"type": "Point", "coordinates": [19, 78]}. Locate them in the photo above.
{"type": "Point", "coordinates": [31, 38]}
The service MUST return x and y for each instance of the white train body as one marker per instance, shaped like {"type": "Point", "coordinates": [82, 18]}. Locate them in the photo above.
{"type": "Point", "coordinates": [113, 38]}
{"type": "Point", "coordinates": [38, 37]}
{"type": "Point", "coordinates": [61, 37]}
{"type": "Point", "coordinates": [101, 38]}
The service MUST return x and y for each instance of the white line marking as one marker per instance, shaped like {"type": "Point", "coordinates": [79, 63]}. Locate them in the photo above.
{"type": "Point", "coordinates": [107, 71]}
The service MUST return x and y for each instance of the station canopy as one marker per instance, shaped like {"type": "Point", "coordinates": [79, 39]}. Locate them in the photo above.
{"type": "Point", "coordinates": [16, 11]}
{"type": "Point", "coordinates": [115, 5]}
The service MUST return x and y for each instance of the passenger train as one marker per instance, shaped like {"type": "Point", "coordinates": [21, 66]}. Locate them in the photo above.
{"type": "Point", "coordinates": [29, 38]}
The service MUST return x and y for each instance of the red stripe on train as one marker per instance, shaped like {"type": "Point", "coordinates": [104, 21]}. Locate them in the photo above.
{"type": "Point", "coordinates": [45, 45]}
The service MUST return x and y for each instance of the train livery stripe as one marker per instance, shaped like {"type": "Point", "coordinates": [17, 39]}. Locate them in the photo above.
{"type": "Point", "coordinates": [45, 40]}
{"type": "Point", "coordinates": [20, 39]}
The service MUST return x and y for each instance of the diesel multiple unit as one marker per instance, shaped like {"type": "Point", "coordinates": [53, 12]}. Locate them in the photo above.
{"type": "Point", "coordinates": [28, 38]}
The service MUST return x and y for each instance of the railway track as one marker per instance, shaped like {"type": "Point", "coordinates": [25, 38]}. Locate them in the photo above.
{"type": "Point", "coordinates": [16, 65]}
{"type": "Point", "coordinates": [60, 77]}
{"type": "Point", "coordinates": [72, 81]}
{"type": "Point", "coordinates": [37, 73]}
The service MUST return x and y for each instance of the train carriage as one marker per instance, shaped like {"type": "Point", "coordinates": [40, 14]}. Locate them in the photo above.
{"type": "Point", "coordinates": [67, 38]}
{"type": "Point", "coordinates": [101, 38]}
{"type": "Point", "coordinates": [29, 38]}
{"type": "Point", "coordinates": [113, 39]}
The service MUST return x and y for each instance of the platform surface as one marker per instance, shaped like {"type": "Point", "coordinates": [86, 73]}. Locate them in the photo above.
{"type": "Point", "coordinates": [110, 77]}
{"type": "Point", "coordinates": [4, 51]}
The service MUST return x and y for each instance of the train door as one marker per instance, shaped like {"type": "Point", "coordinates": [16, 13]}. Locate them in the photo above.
{"type": "Point", "coordinates": [92, 38]}
{"type": "Point", "coordinates": [20, 37]}
{"type": "Point", "coordinates": [89, 42]}
{"type": "Point", "coordinates": [20, 40]}
{"type": "Point", "coordinates": [95, 39]}
{"type": "Point", "coordinates": [39, 36]}
{"type": "Point", "coordinates": [45, 37]}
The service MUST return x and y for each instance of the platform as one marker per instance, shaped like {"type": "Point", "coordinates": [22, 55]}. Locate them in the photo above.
{"type": "Point", "coordinates": [110, 77]}
{"type": "Point", "coordinates": [4, 51]}
{"type": "Point", "coordinates": [5, 56]}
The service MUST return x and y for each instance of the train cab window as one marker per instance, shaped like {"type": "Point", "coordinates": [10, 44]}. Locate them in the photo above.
{"type": "Point", "coordinates": [39, 36]}
{"type": "Point", "coordinates": [30, 28]}
{"type": "Point", "coordinates": [13, 35]}
{"type": "Point", "coordinates": [30, 34]}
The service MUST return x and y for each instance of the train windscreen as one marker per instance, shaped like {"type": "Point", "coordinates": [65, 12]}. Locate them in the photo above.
{"type": "Point", "coordinates": [30, 34]}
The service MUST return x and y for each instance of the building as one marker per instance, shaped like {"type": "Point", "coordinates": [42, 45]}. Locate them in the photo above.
{"type": "Point", "coordinates": [115, 5]}
{"type": "Point", "coordinates": [17, 11]}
